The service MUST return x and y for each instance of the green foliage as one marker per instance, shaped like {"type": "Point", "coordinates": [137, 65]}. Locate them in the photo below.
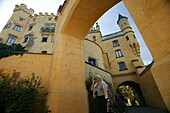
{"type": "Point", "coordinates": [8, 50]}
{"type": "Point", "coordinates": [133, 91]}
{"type": "Point", "coordinates": [22, 96]}
{"type": "Point", "coordinates": [92, 102]}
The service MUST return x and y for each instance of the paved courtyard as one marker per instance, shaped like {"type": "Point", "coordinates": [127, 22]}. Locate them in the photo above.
{"type": "Point", "coordinates": [143, 109]}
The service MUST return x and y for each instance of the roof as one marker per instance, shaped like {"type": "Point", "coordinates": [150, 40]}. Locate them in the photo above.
{"type": "Point", "coordinates": [93, 31]}
{"type": "Point", "coordinates": [113, 35]}
{"type": "Point", "coordinates": [120, 16]}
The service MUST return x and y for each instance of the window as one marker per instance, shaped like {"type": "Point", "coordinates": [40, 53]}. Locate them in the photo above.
{"type": "Point", "coordinates": [122, 66]}
{"type": "Point", "coordinates": [1, 39]}
{"type": "Point", "coordinates": [17, 28]}
{"type": "Point", "coordinates": [49, 19]}
{"type": "Point", "coordinates": [30, 28]}
{"type": "Point", "coordinates": [127, 38]}
{"type": "Point", "coordinates": [11, 40]}
{"type": "Point", "coordinates": [92, 61]}
{"type": "Point", "coordinates": [44, 52]}
{"type": "Point", "coordinates": [8, 25]}
{"type": "Point", "coordinates": [94, 38]}
{"type": "Point", "coordinates": [26, 38]}
{"type": "Point", "coordinates": [115, 43]}
{"type": "Point", "coordinates": [134, 36]}
{"type": "Point", "coordinates": [21, 20]}
{"type": "Point", "coordinates": [52, 38]}
{"type": "Point", "coordinates": [45, 37]}
{"type": "Point", "coordinates": [47, 26]}
{"type": "Point", "coordinates": [118, 53]}
{"type": "Point", "coordinates": [34, 19]}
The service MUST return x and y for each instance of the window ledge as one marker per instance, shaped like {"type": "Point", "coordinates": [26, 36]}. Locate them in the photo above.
{"type": "Point", "coordinates": [120, 56]}
{"type": "Point", "coordinates": [123, 69]}
{"type": "Point", "coordinates": [116, 46]}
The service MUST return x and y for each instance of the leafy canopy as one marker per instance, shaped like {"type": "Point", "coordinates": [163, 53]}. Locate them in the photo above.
{"type": "Point", "coordinates": [9, 50]}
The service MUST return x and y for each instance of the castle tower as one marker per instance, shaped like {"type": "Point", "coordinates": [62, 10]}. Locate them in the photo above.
{"type": "Point", "coordinates": [14, 28]}
{"type": "Point", "coordinates": [129, 34]}
{"type": "Point", "coordinates": [94, 34]}
{"type": "Point", "coordinates": [132, 43]}
{"type": "Point", "coordinates": [97, 27]}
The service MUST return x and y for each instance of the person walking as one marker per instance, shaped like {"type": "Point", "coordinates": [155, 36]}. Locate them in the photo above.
{"type": "Point", "coordinates": [100, 92]}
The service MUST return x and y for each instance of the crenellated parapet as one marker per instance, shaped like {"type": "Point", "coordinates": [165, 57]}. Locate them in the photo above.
{"type": "Point", "coordinates": [30, 12]}
{"type": "Point", "coordinates": [23, 7]}
{"type": "Point", "coordinates": [41, 14]}
{"type": "Point", "coordinates": [48, 16]}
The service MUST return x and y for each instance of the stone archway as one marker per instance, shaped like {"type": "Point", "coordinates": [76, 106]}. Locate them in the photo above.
{"type": "Point", "coordinates": [67, 91]}
{"type": "Point", "coordinates": [135, 86]}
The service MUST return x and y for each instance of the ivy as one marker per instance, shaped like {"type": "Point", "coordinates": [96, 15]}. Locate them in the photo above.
{"type": "Point", "coordinates": [22, 96]}
{"type": "Point", "coordinates": [9, 50]}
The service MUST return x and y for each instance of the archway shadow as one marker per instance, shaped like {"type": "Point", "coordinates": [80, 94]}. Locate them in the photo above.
{"type": "Point", "coordinates": [132, 91]}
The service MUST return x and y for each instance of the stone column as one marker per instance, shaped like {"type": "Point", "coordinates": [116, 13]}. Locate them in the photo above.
{"type": "Point", "coordinates": [152, 18]}
{"type": "Point", "coordinates": [67, 93]}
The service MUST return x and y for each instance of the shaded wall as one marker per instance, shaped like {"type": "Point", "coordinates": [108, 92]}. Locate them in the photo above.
{"type": "Point", "coordinates": [150, 90]}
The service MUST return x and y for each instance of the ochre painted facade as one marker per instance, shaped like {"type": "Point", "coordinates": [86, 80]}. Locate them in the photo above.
{"type": "Point", "coordinates": [39, 64]}
{"type": "Point", "coordinates": [28, 29]}
{"type": "Point", "coordinates": [72, 57]}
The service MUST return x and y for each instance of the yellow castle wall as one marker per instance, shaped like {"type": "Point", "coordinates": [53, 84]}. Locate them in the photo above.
{"type": "Point", "coordinates": [39, 64]}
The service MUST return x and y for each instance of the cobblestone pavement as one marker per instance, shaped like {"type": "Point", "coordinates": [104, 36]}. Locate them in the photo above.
{"type": "Point", "coordinates": [143, 109]}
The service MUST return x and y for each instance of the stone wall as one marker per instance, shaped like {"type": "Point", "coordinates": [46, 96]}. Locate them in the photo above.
{"type": "Point", "coordinates": [39, 64]}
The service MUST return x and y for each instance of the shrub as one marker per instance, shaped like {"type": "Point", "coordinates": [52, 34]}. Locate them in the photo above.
{"type": "Point", "coordinates": [22, 96]}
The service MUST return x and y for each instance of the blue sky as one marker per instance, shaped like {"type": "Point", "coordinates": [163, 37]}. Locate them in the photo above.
{"type": "Point", "coordinates": [108, 22]}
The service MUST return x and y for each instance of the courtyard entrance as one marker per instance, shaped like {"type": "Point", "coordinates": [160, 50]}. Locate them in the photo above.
{"type": "Point", "coordinates": [67, 92]}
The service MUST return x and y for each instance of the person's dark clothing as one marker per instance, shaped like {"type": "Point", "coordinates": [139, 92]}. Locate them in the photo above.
{"type": "Point", "coordinates": [102, 104]}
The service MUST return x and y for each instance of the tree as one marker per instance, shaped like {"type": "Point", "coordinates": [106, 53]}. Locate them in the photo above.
{"type": "Point", "coordinates": [9, 50]}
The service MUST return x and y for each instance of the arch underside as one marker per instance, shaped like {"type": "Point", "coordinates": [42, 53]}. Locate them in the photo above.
{"type": "Point", "coordinates": [81, 18]}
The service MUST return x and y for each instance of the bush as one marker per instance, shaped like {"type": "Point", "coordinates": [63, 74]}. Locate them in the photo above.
{"type": "Point", "coordinates": [22, 96]}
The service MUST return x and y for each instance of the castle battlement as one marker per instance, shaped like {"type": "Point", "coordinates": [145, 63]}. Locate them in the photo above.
{"type": "Point", "coordinates": [46, 14]}
{"type": "Point", "coordinates": [23, 7]}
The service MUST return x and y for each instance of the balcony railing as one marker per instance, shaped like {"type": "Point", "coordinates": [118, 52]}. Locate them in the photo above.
{"type": "Point", "coordinates": [48, 29]}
